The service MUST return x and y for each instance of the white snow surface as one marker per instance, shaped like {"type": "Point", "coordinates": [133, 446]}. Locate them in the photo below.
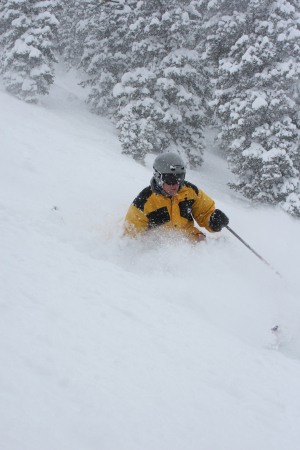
{"type": "Point", "coordinates": [113, 344]}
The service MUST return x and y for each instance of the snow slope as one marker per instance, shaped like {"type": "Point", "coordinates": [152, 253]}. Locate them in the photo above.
{"type": "Point", "coordinates": [117, 345]}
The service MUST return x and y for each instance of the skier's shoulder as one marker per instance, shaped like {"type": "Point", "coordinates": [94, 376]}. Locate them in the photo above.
{"type": "Point", "coordinates": [195, 193]}
{"type": "Point", "coordinates": [142, 198]}
{"type": "Point", "coordinates": [192, 187]}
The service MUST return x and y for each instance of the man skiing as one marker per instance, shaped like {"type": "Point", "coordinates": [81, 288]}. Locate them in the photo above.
{"type": "Point", "coordinates": [171, 203]}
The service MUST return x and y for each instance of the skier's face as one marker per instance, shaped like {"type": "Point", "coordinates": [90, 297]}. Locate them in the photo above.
{"type": "Point", "coordinates": [171, 189]}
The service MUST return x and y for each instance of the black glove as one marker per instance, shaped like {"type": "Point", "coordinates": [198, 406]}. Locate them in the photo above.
{"type": "Point", "coordinates": [218, 220]}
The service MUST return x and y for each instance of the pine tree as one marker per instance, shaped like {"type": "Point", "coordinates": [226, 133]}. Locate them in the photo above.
{"type": "Point", "coordinates": [72, 31]}
{"type": "Point", "coordinates": [257, 99]}
{"type": "Point", "coordinates": [28, 33]}
{"type": "Point", "coordinates": [168, 35]}
{"type": "Point", "coordinates": [166, 110]}
{"type": "Point", "coordinates": [106, 51]}
{"type": "Point", "coordinates": [138, 113]}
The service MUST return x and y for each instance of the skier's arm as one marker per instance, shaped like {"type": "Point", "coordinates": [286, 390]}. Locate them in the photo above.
{"type": "Point", "coordinates": [135, 221]}
{"type": "Point", "coordinates": [203, 208]}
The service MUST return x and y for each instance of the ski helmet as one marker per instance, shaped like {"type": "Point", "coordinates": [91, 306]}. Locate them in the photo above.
{"type": "Point", "coordinates": [169, 168]}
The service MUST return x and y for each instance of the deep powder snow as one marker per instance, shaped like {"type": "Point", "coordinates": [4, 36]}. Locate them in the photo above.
{"type": "Point", "coordinates": [109, 343]}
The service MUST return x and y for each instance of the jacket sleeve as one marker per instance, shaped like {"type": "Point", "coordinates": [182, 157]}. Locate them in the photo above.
{"type": "Point", "coordinates": [135, 221]}
{"type": "Point", "coordinates": [203, 208]}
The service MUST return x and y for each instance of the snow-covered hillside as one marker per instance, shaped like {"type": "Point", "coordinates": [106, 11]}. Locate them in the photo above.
{"type": "Point", "coordinates": [117, 345]}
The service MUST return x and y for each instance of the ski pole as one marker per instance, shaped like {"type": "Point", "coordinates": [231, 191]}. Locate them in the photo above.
{"type": "Point", "coordinates": [253, 251]}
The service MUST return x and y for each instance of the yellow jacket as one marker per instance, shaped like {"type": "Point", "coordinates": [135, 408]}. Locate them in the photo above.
{"type": "Point", "coordinates": [151, 210]}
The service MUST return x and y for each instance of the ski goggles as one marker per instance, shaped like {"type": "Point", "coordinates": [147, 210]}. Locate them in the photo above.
{"type": "Point", "coordinates": [173, 178]}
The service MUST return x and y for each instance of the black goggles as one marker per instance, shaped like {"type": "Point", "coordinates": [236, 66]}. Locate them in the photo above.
{"type": "Point", "coordinates": [173, 178]}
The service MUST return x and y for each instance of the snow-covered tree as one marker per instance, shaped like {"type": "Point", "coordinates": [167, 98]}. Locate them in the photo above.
{"type": "Point", "coordinates": [146, 70]}
{"type": "Point", "coordinates": [72, 31]}
{"type": "Point", "coordinates": [106, 53]}
{"type": "Point", "coordinates": [28, 37]}
{"type": "Point", "coordinates": [172, 100]}
{"type": "Point", "coordinates": [256, 95]}
{"type": "Point", "coordinates": [139, 134]}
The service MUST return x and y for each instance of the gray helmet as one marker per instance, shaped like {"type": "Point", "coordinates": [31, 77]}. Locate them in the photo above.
{"type": "Point", "coordinates": [169, 168]}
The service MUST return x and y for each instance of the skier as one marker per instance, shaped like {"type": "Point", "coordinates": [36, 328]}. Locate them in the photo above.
{"type": "Point", "coordinates": [171, 203]}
